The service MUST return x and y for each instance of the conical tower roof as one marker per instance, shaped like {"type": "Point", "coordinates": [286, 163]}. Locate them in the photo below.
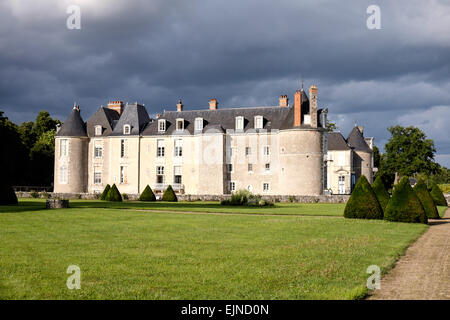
{"type": "Point", "coordinates": [74, 125]}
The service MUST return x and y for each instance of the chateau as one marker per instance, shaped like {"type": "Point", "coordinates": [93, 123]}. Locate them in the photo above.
{"type": "Point", "coordinates": [275, 150]}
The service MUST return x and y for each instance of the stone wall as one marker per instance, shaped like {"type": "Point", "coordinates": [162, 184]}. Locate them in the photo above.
{"type": "Point", "coordinates": [186, 197]}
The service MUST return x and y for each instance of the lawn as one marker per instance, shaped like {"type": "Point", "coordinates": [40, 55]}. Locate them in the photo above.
{"type": "Point", "coordinates": [131, 254]}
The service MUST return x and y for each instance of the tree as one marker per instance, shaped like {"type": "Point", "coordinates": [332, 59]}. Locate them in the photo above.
{"type": "Point", "coordinates": [42, 158]}
{"type": "Point", "coordinates": [331, 126]}
{"type": "Point", "coordinates": [363, 203]}
{"type": "Point", "coordinates": [408, 152]}
{"type": "Point", "coordinates": [404, 205]}
{"type": "Point", "coordinates": [147, 194]}
{"type": "Point", "coordinates": [44, 123]}
{"type": "Point", "coordinates": [376, 157]}
{"type": "Point", "coordinates": [7, 195]}
{"type": "Point", "coordinates": [105, 192]}
{"type": "Point", "coordinates": [169, 194]}
{"type": "Point", "coordinates": [381, 192]}
{"type": "Point", "coordinates": [427, 201]}
{"type": "Point", "coordinates": [114, 194]}
{"type": "Point", "coordinates": [437, 195]}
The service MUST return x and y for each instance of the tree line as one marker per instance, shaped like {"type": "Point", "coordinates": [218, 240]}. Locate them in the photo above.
{"type": "Point", "coordinates": [28, 150]}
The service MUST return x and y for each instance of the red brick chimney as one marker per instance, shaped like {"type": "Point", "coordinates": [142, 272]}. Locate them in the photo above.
{"type": "Point", "coordinates": [179, 105]}
{"type": "Point", "coordinates": [213, 104]}
{"type": "Point", "coordinates": [298, 108]}
{"type": "Point", "coordinates": [116, 105]}
{"type": "Point", "coordinates": [284, 101]}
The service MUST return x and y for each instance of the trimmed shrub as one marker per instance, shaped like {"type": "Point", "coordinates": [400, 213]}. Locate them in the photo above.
{"type": "Point", "coordinates": [404, 205]}
{"type": "Point", "coordinates": [105, 192]}
{"type": "Point", "coordinates": [114, 194]}
{"type": "Point", "coordinates": [34, 194]}
{"type": "Point", "coordinates": [240, 197]}
{"type": "Point", "coordinates": [363, 202]}
{"type": "Point", "coordinates": [169, 195]}
{"type": "Point", "coordinates": [381, 192]}
{"type": "Point", "coordinates": [437, 195]}
{"type": "Point", "coordinates": [425, 198]}
{"type": "Point", "coordinates": [147, 194]}
{"type": "Point", "coordinates": [7, 195]}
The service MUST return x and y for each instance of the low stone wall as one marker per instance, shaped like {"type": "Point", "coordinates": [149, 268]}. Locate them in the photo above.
{"type": "Point", "coordinates": [337, 198]}
{"type": "Point", "coordinates": [57, 204]}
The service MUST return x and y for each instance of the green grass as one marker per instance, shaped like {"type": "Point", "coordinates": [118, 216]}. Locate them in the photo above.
{"type": "Point", "coordinates": [441, 210]}
{"type": "Point", "coordinates": [128, 254]}
{"type": "Point", "coordinates": [309, 209]}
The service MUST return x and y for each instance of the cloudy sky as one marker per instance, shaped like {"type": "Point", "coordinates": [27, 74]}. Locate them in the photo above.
{"type": "Point", "coordinates": [242, 52]}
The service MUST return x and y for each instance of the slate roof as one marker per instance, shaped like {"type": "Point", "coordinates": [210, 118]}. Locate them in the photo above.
{"type": "Point", "coordinates": [136, 116]}
{"type": "Point", "coordinates": [74, 126]}
{"type": "Point", "coordinates": [356, 140]}
{"type": "Point", "coordinates": [104, 117]}
{"type": "Point", "coordinates": [337, 142]}
{"type": "Point", "coordinates": [221, 119]}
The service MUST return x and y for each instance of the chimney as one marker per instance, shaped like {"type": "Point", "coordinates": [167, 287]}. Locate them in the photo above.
{"type": "Point", "coordinates": [213, 104]}
{"type": "Point", "coordinates": [179, 105]}
{"type": "Point", "coordinates": [116, 105]}
{"type": "Point", "coordinates": [298, 108]}
{"type": "Point", "coordinates": [284, 101]}
{"type": "Point", "coordinates": [313, 105]}
{"type": "Point", "coordinates": [361, 129]}
{"type": "Point", "coordinates": [158, 115]}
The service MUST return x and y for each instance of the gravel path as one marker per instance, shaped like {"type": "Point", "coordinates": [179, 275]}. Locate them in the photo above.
{"type": "Point", "coordinates": [424, 271]}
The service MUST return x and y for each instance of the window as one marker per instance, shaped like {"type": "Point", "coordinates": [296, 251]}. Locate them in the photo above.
{"type": "Point", "coordinates": [180, 124]}
{"type": "Point", "coordinates": [178, 148]}
{"type": "Point", "coordinates": [177, 174]}
{"type": "Point", "coordinates": [126, 129]}
{"type": "Point", "coordinates": [123, 175]}
{"type": "Point", "coordinates": [266, 150]}
{"type": "Point", "coordinates": [267, 166]}
{"type": "Point", "coordinates": [266, 186]}
{"type": "Point", "coordinates": [63, 148]}
{"type": "Point", "coordinates": [123, 147]}
{"type": "Point", "coordinates": [160, 148]}
{"type": "Point", "coordinates": [160, 174]}
{"type": "Point", "coordinates": [232, 186]}
{"type": "Point", "coordinates": [248, 151]}
{"type": "Point", "coordinates": [258, 122]}
{"type": "Point", "coordinates": [98, 130]}
{"type": "Point", "coordinates": [250, 167]}
{"type": "Point", "coordinates": [198, 124]}
{"type": "Point", "coordinates": [230, 167]}
{"type": "Point", "coordinates": [97, 175]}
{"type": "Point", "coordinates": [63, 175]}
{"type": "Point", "coordinates": [239, 123]}
{"type": "Point", "coordinates": [161, 125]}
{"type": "Point", "coordinates": [98, 149]}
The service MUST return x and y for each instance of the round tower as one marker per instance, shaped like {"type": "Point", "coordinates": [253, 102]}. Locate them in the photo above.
{"type": "Point", "coordinates": [71, 155]}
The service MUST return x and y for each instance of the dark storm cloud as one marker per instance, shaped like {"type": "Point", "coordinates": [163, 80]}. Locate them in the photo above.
{"type": "Point", "coordinates": [245, 53]}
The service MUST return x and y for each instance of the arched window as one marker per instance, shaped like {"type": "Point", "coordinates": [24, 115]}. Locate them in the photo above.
{"type": "Point", "coordinates": [161, 125]}
{"type": "Point", "coordinates": [126, 129]}
{"type": "Point", "coordinates": [98, 130]}
{"type": "Point", "coordinates": [259, 122]}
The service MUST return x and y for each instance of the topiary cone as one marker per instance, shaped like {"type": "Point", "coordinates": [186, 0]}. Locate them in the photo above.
{"type": "Point", "coordinates": [169, 194]}
{"type": "Point", "coordinates": [404, 205]}
{"type": "Point", "coordinates": [147, 194]}
{"type": "Point", "coordinates": [381, 192]}
{"type": "Point", "coordinates": [7, 195]}
{"type": "Point", "coordinates": [437, 195]}
{"type": "Point", "coordinates": [114, 194]}
{"type": "Point", "coordinates": [105, 192]}
{"type": "Point", "coordinates": [363, 203]}
{"type": "Point", "coordinates": [427, 201]}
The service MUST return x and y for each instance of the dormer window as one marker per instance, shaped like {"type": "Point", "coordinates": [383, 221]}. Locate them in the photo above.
{"type": "Point", "coordinates": [161, 125]}
{"type": "Point", "coordinates": [126, 129]}
{"type": "Point", "coordinates": [259, 122]}
{"type": "Point", "coordinates": [98, 130]}
{"type": "Point", "coordinates": [180, 124]}
{"type": "Point", "coordinates": [239, 123]}
{"type": "Point", "coordinates": [198, 124]}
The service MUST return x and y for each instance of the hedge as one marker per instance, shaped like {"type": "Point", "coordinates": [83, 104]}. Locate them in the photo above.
{"type": "Point", "coordinates": [363, 203]}
{"type": "Point", "coordinates": [114, 194]}
{"type": "Point", "coordinates": [425, 198]}
{"type": "Point", "coordinates": [169, 195]}
{"type": "Point", "coordinates": [105, 192]}
{"type": "Point", "coordinates": [7, 195]}
{"type": "Point", "coordinates": [437, 195]}
{"type": "Point", "coordinates": [404, 205]}
{"type": "Point", "coordinates": [381, 192]}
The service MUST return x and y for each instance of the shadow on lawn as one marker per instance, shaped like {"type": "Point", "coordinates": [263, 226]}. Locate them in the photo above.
{"type": "Point", "coordinates": [36, 205]}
